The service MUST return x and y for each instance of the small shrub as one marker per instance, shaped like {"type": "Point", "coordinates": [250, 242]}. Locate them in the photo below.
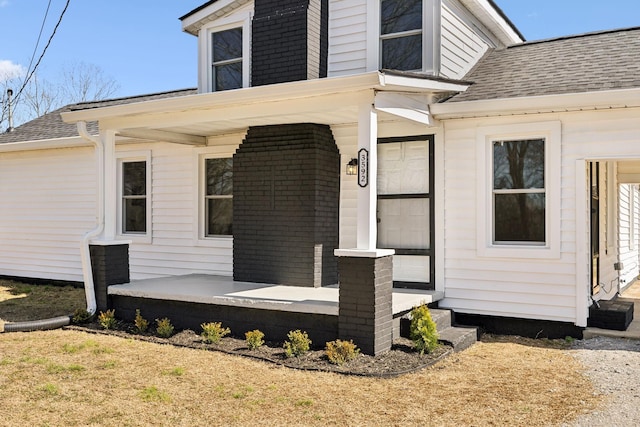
{"type": "Point", "coordinates": [254, 339]}
{"type": "Point", "coordinates": [213, 332]}
{"type": "Point", "coordinates": [298, 343]}
{"type": "Point", "coordinates": [164, 328]}
{"type": "Point", "coordinates": [141, 323]}
{"type": "Point", "coordinates": [107, 319]}
{"type": "Point", "coordinates": [422, 330]}
{"type": "Point", "coordinates": [80, 316]}
{"type": "Point", "coordinates": [339, 352]}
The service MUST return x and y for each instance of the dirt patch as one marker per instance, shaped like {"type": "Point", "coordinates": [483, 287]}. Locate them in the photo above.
{"type": "Point", "coordinates": [403, 358]}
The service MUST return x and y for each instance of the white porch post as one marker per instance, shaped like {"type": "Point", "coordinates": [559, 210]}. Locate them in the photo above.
{"type": "Point", "coordinates": [108, 138]}
{"type": "Point", "coordinates": [367, 195]}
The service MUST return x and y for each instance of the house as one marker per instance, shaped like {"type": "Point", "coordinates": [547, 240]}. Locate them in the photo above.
{"type": "Point", "coordinates": [419, 144]}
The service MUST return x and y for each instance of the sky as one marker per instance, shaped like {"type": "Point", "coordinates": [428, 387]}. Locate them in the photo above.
{"type": "Point", "coordinates": [140, 43]}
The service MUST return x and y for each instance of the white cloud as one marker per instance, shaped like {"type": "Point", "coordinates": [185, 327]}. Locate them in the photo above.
{"type": "Point", "coordinates": [10, 70]}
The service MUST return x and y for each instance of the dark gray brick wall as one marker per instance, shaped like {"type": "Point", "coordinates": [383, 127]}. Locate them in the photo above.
{"type": "Point", "coordinates": [274, 324]}
{"type": "Point", "coordinates": [286, 195]}
{"type": "Point", "coordinates": [289, 41]}
{"type": "Point", "coordinates": [366, 312]}
{"type": "Point", "coordinates": [110, 265]}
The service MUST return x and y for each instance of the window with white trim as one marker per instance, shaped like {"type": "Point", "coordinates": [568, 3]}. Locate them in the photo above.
{"type": "Point", "coordinates": [226, 55]}
{"type": "Point", "coordinates": [401, 38]}
{"type": "Point", "coordinates": [518, 190]}
{"type": "Point", "coordinates": [218, 197]}
{"type": "Point", "coordinates": [134, 195]}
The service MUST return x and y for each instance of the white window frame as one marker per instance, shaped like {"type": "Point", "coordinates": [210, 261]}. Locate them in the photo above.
{"type": "Point", "coordinates": [550, 132]}
{"type": "Point", "coordinates": [238, 20]}
{"type": "Point", "coordinates": [431, 35]}
{"type": "Point", "coordinates": [126, 157]}
{"type": "Point", "coordinates": [201, 155]}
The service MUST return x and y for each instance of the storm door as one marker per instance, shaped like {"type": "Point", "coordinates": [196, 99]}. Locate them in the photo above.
{"type": "Point", "coordinates": [405, 207]}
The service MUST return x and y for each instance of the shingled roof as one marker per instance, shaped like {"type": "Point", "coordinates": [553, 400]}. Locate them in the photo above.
{"type": "Point", "coordinates": [51, 126]}
{"type": "Point", "coordinates": [599, 61]}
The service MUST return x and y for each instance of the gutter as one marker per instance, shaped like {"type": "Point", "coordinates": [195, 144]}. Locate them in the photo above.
{"type": "Point", "coordinates": [85, 256]}
{"type": "Point", "coordinates": [585, 101]}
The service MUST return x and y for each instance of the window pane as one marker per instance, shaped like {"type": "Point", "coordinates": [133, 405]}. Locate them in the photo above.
{"type": "Point", "coordinates": [518, 164]}
{"type": "Point", "coordinates": [519, 217]}
{"type": "Point", "coordinates": [402, 53]}
{"type": "Point", "coordinates": [400, 15]}
{"type": "Point", "coordinates": [403, 167]}
{"type": "Point", "coordinates": [227, 45]}
{"type": "Point", "coordinates": [134, 178]}
{"type": "Point", "coordinates": [403, 223]}
{"type": "Point", "coordinates": [135, 215]}
{"type": "Point", "coordinates": [219, 173]}
{"type": "Point", "coordinates": [228, 76]}
{"type": "Point", "coordinates": [219, 216]}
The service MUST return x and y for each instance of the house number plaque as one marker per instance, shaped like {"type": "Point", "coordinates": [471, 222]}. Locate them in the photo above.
{"type": "Point", "coordinates": [363, 167]}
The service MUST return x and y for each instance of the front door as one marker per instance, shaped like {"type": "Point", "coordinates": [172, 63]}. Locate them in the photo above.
{"type": "Point", "coordinates": [405, 207]}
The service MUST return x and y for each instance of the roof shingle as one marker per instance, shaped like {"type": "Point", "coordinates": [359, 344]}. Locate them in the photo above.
{"type": "Point", "coordinates": [51, 126]}
{"type": "Point", "coordinates": [584, 63]}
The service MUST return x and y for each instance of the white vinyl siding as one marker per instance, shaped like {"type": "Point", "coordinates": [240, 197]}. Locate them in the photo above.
{"type": "Point", "coordinates": [174, 220]}
{"type": "Point", "coordinates": [514, 287]}
{"type": "Point", "coordinates": [347, 37]}
{"type": "Point", "coordinates": [462, 45]}
{"type": "Point", "coordinates": [48, 203]}
{"type": "Point", "coordinates": [628, 222]}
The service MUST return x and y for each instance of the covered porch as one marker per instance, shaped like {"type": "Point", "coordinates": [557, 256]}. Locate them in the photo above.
{"type": "Point", "coordinates": [192, 299]}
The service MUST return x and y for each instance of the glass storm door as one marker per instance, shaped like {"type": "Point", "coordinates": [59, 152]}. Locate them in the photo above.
{"type": "Point", "coordinates": [405, 207]}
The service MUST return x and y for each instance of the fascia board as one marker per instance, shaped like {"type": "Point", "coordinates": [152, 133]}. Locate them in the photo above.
{"type": "Point", "coordinates": [494, 22]}
{"type": "Point", "coordinates": [261, 94]}
{"type": "Point", "coordinates": [192, 23]}
{"type": "Point", "coordinates": [626, 98]}
{"type": "Point", "coordinates": [44, 144]}
{"type": "Point", "coordinates": [389, 81]}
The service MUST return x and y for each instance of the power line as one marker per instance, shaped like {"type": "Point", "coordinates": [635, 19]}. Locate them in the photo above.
{"type": "Point", "coordinates": [35, 48]}
{"type": "Point", "coordinates": [35, 67]}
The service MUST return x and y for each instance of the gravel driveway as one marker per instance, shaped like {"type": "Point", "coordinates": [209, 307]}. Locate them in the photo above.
{"type": "Point", "coordinates": [613, 364]}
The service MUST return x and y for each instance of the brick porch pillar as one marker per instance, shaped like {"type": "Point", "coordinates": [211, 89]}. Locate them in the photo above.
{"type": "Point", "coordinates": [110, 265]}
{"type": "Point", "coordinates": [365, 313]}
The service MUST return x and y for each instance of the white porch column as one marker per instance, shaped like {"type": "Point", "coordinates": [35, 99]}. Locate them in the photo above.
{"type": "Point", "coordinates": [367, 195]}
{"type": "Point", "coordinates": [108, 138]}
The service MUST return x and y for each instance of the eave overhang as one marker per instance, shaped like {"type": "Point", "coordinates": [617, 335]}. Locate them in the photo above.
{"type": "Point", "coordinates": [587, 101]}
{"type": "Point", "coordinates": [331, 101]}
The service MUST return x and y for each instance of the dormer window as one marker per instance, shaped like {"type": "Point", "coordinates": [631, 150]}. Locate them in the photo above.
{"type": "Point", "coordinates": [401, 23]}
{"type": "Point", "coordinates": [226, 66]}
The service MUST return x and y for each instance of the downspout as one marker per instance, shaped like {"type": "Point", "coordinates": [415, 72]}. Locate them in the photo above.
{"type": "Point", "coordinates": [85, 256]}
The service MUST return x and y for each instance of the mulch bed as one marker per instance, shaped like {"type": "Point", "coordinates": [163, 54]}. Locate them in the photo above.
{"type": "Point", "coordinates": [403, 358]}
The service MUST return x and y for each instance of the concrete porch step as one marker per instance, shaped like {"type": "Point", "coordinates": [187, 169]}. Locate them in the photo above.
{"type": "Point", "coordinates": [459, 338]}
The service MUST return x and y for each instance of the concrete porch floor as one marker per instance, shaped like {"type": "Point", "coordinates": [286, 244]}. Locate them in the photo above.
{"type": "Point", "coordinates": [633, 331]}
{"type": "Point", "coordinates": [221, 290]}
